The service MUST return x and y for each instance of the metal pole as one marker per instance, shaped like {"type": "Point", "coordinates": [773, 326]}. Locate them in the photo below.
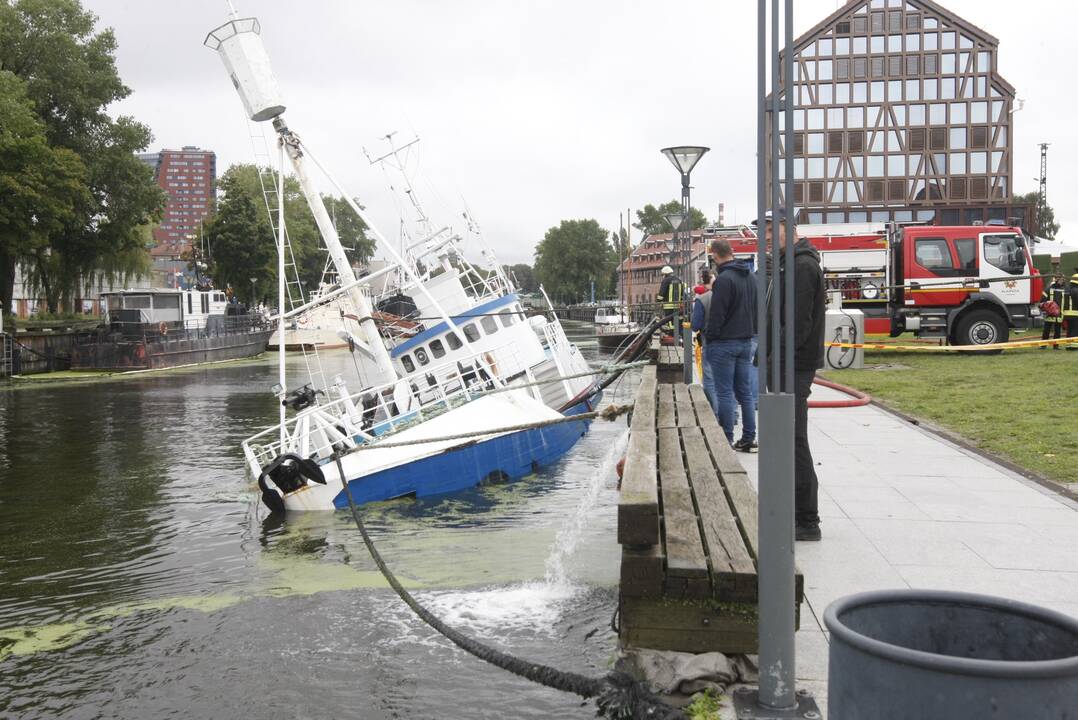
{"type": "Point", "coordinates": [788, 194]}
{"type": "Point", "coordinates": [280, 285]}
{"type": "Point", "coordinates": [777, 691]}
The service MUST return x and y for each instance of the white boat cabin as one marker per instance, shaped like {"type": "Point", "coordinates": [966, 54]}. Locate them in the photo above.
{"type": "Point", "coordinates": [192, 308]}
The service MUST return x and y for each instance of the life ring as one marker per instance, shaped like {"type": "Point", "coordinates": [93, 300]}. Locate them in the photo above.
{"type": "Point", "coordinates": [162, 328]}
{"type": "Point", "coordinates": [303, 320]}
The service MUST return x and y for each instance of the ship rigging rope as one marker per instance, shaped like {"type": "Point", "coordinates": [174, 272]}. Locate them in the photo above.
{"type": "Point", "coordinates": [616, 694]}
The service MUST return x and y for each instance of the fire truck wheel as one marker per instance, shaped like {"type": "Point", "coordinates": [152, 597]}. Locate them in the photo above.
{"type": "Point", "coordinates": [981, 327]}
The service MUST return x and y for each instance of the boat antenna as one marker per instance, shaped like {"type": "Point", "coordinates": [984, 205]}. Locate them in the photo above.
{"type": "Point", "coordinates": [232, 10]}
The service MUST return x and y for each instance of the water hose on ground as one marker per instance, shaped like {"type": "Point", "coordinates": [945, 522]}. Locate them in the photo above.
{"type": "Point", "coordinates": [616, 694]}
{"type": "Point", "coordinates": [857, 398]}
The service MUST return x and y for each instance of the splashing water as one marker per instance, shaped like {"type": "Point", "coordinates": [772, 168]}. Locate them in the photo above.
{"type": "Point", "coordinates": [533, 606]}
{"type": "Point", "coordinates": [569, 536]}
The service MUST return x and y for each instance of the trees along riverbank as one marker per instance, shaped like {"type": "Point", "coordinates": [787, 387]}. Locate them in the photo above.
{"type": "Point", "coordinates": [76, 203]}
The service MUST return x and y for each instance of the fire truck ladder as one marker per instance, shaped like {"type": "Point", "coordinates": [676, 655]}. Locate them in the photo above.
{"type": "Point", "coordinates": [267, 178]}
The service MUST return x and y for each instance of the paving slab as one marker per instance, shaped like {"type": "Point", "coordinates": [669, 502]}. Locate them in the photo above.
{"type": "Point", "coordinates": [902, 507]}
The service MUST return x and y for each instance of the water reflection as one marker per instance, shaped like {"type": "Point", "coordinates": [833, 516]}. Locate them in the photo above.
{"type": "Point", "coordinates": [140, 574]}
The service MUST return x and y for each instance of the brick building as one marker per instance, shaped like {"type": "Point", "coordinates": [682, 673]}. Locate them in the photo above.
{"type": "Point", "coordinates": [187, 176]}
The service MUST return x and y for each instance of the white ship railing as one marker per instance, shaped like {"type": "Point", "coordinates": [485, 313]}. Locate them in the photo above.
{"type": "Point", "coordinates": [360, 417]}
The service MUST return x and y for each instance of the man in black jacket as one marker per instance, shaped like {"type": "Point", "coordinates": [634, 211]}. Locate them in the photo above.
{"type": "Point", "coordinates": [809, 302]}
{"type": "Point", "coordinates": [731, 323]}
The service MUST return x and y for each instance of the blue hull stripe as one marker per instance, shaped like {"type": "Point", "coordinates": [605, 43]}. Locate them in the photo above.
{"type": "Point", "coordinates": [515, 455]}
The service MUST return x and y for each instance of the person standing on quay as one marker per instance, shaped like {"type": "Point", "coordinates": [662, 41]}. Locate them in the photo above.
{"type": "Point", "coordinates": [670, 295]}
{"type": "Point", "coordinates": [1052, 301]}
{"type": "Point", "coordinates": [728, 337]}
{"type": "Point", "coordinates": [808, 358]}
{"type": "Point", "coordinates": [1070, 310]}
{"type": "Point", "coordinates": [701, 309]}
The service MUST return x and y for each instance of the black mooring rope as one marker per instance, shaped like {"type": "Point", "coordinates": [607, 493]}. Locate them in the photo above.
{"type": "Point", "coordinates": [617, 694]}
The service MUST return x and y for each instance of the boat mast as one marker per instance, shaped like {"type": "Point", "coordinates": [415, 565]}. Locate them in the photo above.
{"type": "Point", "coordinates": [282, 377]}
{"type": "Point", "coordinates": [239, 44]}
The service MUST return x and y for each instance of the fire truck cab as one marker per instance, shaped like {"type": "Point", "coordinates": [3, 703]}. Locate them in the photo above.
{"type": "Point", "coordinates": [967, 284]}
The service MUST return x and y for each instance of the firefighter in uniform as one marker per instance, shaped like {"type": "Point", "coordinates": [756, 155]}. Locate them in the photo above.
{"type": "Point", "coordinates": [1054, 293]}
{"type": "Point", "coordinates": [670, 295]}
{"type": "Point", "coordinates": [1069, 309]}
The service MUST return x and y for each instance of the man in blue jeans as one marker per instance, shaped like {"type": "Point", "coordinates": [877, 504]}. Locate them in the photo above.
{"type": "Point", "coordinates": [731, 325]}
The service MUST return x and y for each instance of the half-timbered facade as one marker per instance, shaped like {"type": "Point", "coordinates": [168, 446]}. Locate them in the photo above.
{"type": "Point", "coordinates": [901, 114]}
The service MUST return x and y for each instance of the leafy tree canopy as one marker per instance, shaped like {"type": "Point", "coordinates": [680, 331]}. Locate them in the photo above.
{"type": "Point", "coordinates": [572, 256]}
{"type": "Point", "coordinates": [1047, 227]}
{"type": "Point", "coordinates": [651, 220]}
{"type": "Point", "coordinates": [242, 240]}
{"type": "Point", "coordinates": [96, 211]}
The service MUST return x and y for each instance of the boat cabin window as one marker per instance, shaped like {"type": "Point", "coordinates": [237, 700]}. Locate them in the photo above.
{"type": "Point", "coordinates": [421, 356]}
{"type": "Point", "coordinates": [409, 366]}
{"type": "Point", "coordinates": [454, 341]}
{"type": "Point", "coordinates": [137, 302]}
{"type": "Point", "coordinates": [490, 326]}
{"type": "Point", "coordinates": [436, 348]}
{"type": "Point", "coordinates": [190, 304]}
{"type": "Point", "coordinates": [115, 302]}
{"type": "Point", "coordinates": [508, 317]}
{"type": "Point", "coordinates": [205, 303]}
{"type": "Point", "coordinates": [166, 302]}
{"type": "Point", "coordinates": [219, 297]}
{"type": "Point", "coordinates": [471, 332]}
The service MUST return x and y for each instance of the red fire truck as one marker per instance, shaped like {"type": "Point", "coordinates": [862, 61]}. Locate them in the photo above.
{"type": "Point", "coordinates": [969, 285]}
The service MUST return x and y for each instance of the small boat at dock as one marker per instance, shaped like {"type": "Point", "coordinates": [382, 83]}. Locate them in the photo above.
{"type": "Point", "coordinates": [154, 328]}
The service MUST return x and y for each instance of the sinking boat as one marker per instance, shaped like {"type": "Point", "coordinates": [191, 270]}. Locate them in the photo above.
{"type": "Point", "coordinates": [614, 327]}
{"type": "Point", "coordinates": [459, 386]}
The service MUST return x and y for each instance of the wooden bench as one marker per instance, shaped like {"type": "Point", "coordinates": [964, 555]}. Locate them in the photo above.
{"type": "Point", "coordinates": [687, 524]}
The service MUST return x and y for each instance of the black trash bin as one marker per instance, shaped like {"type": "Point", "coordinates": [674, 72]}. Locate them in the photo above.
{"type": "Point", "coordinates": [936, 655]}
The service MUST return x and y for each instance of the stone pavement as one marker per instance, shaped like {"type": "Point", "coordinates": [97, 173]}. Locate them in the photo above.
{"type": "Point", "coordinates": [904, 508]}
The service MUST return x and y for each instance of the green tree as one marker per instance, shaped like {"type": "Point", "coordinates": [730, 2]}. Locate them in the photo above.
{"type": "Point", "coordinates": [572, 256]}
{"type": "Point", "coordinates": [524, 277]}
{"type": "Point", "coordinates": [42, 190]}
{"type": "Point", "coordinates": [70, 78]}
{"type": "Point", "coordinates": [1047, 227]}
{"type": "Point", "coordinates": [652, 220]}
{"type": "Point", "coordinates": [243, 210]}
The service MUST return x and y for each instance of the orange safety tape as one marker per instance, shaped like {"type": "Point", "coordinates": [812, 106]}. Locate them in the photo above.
{"type": "Point", "coordinates": [1017, 344]}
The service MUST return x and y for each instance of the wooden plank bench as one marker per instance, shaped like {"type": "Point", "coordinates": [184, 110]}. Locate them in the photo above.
{"type": "Point", "coordinates": [687, 523]}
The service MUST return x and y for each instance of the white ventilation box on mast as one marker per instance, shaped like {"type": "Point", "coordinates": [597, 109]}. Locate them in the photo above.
{"type": "Point", "coordinates": [239, 43]}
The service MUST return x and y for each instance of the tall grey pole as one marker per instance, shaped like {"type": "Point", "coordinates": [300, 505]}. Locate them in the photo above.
{"type": "Point", "coordinates": [777, 696]}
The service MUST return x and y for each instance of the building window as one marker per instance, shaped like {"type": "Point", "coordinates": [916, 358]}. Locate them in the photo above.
{"type": "Point", "coordinates": [860, 24]}
{"type": "Point", "coordinates": [978, 137]}
{"type": "Point", "coordinates": [855, 141]}
{"type": "Point", "coordinates": [913, 21]}
{"type": "Point", "coordinates": [877, 67]}
{"type": "Point", "coordinates": [931, 64]}
{"type": "Point", "coordinates": [958, 188]}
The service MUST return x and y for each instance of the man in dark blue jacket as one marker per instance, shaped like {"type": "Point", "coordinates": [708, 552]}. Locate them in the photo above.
{"type": "Point", "coordinates": [731, 325]}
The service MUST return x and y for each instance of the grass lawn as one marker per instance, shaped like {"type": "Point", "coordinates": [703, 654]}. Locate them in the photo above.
{"type": "Point", "coordinates": [1021, 404]}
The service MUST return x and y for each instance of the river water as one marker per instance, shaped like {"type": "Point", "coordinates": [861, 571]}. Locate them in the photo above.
{"type": "Point", "coordinates": [141, 578]}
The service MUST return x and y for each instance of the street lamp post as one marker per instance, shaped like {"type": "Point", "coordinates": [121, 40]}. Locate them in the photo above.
{"type": "Point", "coordinates": [684, 159]}
{"type": "Point", "coordinates": [676, 220]}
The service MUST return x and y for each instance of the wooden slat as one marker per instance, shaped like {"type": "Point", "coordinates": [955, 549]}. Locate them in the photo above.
{"type": "Point", "coordinates": [684, 547]}
{"type": "Point", "coordinates": [638, 501]}
{"type": "Point", "coordinates": [665, 414]}
{"type": "Point", "coordinates": [724, 455]}
{"type": "Point", "coordinates": [683, 405]}
{"type": "Point", "coordinates": [642, 572]}
{"type": "Point", "coordinates": [691, 626]}
{"type": "Point", "coordinates": [735, 481]}
{"type": "Point", "coordinates": [732, 566]}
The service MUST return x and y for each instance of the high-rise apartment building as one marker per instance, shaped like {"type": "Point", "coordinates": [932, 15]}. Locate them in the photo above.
{"type": "Point", "coordinates": [901, 114]}
{"type": "Point", "coordinates": [188, 177]}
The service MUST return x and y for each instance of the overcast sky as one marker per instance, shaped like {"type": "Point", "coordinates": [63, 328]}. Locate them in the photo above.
{"type": "Point", "coordinates": [534, 111]}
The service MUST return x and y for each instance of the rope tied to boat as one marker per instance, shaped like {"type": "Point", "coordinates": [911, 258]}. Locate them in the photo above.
{"type": "Point", "coordinates": [616, 694]}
